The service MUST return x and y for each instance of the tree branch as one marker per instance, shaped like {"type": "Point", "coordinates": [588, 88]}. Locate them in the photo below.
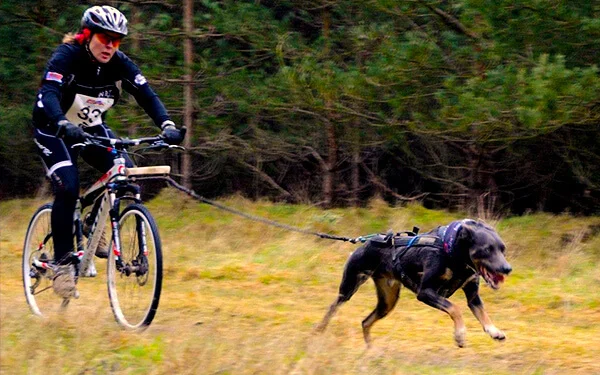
{"type": "Point", "coordinates": [374, 179]}
{"type": "Point", "coordinates": [266, 178]}
{"type": "Point", "coordinates": [450, 21]}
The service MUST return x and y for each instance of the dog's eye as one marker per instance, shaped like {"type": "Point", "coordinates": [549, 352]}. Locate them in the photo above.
{"type": "Point", "coordinates": [481, 252]}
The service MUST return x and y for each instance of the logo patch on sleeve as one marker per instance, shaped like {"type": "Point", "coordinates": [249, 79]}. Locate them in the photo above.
{"type": "Point", "coordinates": [53, 76]}
{"type": "Point", "coordinates": [140, 79]}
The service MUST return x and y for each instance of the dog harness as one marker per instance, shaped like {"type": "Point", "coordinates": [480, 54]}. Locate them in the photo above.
{"type": "Point", "coordinates": [444, 239]}
{"type": "Point", "coordinates": [449, 234]}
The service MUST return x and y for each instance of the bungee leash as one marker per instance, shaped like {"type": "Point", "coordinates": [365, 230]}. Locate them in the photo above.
{"type": "Point", "coordinates": [220, 206]}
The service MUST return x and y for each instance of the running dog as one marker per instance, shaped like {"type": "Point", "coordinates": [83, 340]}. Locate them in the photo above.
{"type": "Point", "coordinates": [433, 265]}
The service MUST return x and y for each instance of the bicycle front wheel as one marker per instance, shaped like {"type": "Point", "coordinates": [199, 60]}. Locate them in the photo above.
{"type": "Point", "coordinates": [38, 251]}
{"type": "Point", "coordinates": [135, 275]}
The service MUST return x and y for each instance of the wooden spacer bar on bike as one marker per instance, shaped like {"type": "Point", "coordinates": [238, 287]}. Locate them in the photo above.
{"type": "Point", "coordinates": [143, 171]}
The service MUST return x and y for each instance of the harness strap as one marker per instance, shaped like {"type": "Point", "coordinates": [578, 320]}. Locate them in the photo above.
{"type": "Point", "coordinates": [404, 243]}
{"type": "Point", "coordinates": [412, 241]}
{"type": "Point", "coordinates": [449, 234]}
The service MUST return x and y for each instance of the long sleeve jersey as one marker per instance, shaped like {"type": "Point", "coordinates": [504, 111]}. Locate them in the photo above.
{"type": "Point", "coordinates": [77, 88]}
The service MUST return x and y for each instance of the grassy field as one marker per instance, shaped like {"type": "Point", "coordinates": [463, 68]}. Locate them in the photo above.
{"type": "Point", "coordinates": [240, 297]}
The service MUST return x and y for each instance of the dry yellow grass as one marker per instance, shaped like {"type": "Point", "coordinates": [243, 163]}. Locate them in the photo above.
{"type": "Point", "coordinates": [242, 298]}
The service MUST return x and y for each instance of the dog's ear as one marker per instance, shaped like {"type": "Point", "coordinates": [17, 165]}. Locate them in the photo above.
{"type": "Point", "coordinates": [466, 233]}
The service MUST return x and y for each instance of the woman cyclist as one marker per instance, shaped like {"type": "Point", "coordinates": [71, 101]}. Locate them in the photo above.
{"type": "Point", "coordinates": [82, 81]}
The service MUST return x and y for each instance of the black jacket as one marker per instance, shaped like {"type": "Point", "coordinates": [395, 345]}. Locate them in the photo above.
{"type": "Point", "coordinates": [77, 88]}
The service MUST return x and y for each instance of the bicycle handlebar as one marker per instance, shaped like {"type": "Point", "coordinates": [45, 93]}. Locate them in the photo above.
{"type": "Point", "coordinates": [156, 142]}
{"type": "Point", "coordinates": [121, 142]}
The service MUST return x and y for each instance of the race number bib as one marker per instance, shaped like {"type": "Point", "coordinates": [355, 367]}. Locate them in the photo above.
{"type": "Point", "coordinates": [87, 111]}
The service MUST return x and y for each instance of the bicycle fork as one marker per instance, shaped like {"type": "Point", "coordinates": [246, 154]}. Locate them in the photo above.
{"type": "Point", "coordinates": [139, 264]}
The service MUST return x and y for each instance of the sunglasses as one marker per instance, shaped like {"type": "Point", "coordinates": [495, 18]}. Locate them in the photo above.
{"type": "Point", "coordinates": [106, 39]}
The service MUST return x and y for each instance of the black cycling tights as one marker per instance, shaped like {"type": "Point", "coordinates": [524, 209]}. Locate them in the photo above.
{"type": "Point", "coordinates": [65, 184]}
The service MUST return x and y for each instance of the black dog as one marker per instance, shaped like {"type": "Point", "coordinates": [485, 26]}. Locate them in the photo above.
{"type": "Point", "coordinates": [434, 266]}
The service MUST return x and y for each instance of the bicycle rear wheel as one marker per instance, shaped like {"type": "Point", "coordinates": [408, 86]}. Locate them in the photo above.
{"type": "Point", "coordinates": [38, 251]}
{"type": "Point", "coordinates": [134, 283]}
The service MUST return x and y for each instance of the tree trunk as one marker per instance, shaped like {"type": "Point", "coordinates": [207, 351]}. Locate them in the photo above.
{"type": "Point", "coordinates": [134, 17]}
{"type": "Point", "coordinates": [188, 94]}
{"type": "Point", "coordinates": [328, 172]}
{"type": "Point", "coordinates": [355, 166]}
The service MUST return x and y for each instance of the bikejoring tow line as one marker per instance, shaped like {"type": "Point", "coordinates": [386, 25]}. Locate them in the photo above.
{"type": "Point", "coordinates": [220, 206]}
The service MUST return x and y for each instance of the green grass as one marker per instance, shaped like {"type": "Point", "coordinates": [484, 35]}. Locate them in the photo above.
{"type": "Point", "coordinates": [241, 297]}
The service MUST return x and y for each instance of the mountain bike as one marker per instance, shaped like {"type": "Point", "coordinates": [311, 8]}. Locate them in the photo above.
{"type": "Point", "coordinates": [134, 268]}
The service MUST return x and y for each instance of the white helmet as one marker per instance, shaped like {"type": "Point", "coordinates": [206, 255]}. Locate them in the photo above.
{"type": "Point", "coordinates": [104, 18]}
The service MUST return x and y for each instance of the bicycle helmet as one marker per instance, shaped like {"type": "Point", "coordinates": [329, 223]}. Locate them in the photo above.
{"type": "Point", "coordinates": [104, 18]}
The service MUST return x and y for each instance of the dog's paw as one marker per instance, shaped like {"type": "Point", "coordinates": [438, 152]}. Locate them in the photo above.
{"type": "Point", "coordinates": [495, 333]}
{"type": "Point", "coordinates": [460, 336]}
{"type": "Point", "coordinates": [320, 328]}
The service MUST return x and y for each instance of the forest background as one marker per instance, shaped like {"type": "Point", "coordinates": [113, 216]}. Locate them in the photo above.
{"type": "Point", "coordinates": [469, 106]}
{"type": "Point", "coordinates": [474, 104]}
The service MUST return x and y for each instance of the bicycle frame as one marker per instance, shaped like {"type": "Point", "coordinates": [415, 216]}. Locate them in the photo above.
{"type": "Point", "coordinates": [105, 190]}
{"type": "Point", "coordinates": [109, 189]}
{"type": "Point", "coordinates": [103, 195]}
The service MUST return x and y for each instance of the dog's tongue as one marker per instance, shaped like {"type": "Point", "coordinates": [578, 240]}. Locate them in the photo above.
{"type": "Point", "coordinates": [492, 277]}
{"type": "Point", "coordinates": [498, 278]}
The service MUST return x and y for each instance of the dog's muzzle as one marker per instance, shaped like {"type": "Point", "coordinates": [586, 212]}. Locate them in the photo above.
{"type": "Point", "coordinates": [494, 278]}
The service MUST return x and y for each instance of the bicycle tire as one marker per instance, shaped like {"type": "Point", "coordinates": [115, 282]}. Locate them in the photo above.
{"type": "Point", "coordinates": [134, 303]}
{"type": "Point", "coordinates": [37, 282]}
